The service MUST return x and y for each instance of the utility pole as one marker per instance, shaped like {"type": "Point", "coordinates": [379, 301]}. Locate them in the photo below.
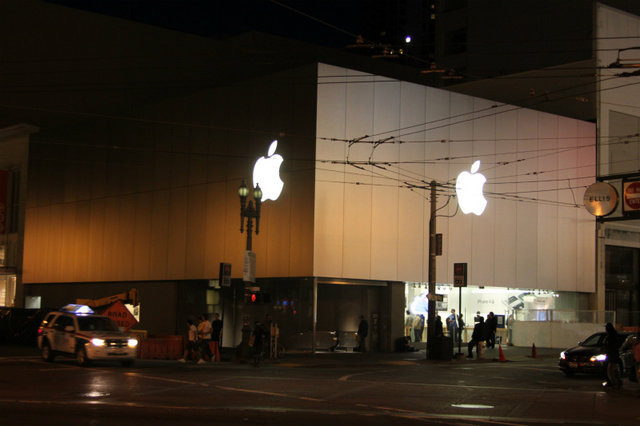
{"type": "Point", "coordinates": [431, 315]}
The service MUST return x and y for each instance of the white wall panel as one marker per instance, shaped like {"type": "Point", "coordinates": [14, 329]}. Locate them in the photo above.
{"type": "Point", "coordinates": [459, 228]}
{"type": "Point", "coordinates": [358, 182]}
{"type": "Point", "coordinates": [483, 227]}
{"type": "Point", "coordinates": [505, 211]}
{"type": "Point", "coordinates": [384, 204]}
{"type": "Point", "coordinates": [526, 189]}
{"type": "Point", "coordinates": [531, 235]}
{"type": "Point", "coordinates": [330, 187]}
{"type": "Point", "coordinates": [411, 204]}
{"type": "Point", "coordinates": [567, 232]}
{"type": "Point", "coordinates": [548, 196]}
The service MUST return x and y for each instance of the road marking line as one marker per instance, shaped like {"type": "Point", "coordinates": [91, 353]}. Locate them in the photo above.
{"type": "Point", "coordinates": [505, 388]}
{"type": "Point", "coordinates": [282, 395]}
{"type": "Point", "coordinates": [348, 376]}
{"type": "Point", "coordinates": [166, 379]}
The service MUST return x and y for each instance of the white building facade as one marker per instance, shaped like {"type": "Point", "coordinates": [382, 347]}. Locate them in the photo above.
{"type": "Point", "coordinates": [380, 142]}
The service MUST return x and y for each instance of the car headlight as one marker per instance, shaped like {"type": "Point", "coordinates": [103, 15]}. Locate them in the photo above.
{"type": "Point", "coordinates": [600, 358]}
{"type": "Point", "coordinates": [563, 355]}
{"type": "Point", "coordinates": [132, 343]}
{"type": "Point", "coordinates": [97, 342]}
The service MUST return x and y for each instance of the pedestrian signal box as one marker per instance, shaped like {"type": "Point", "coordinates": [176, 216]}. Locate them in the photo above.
{"type": "Point", "coordinates": [459, 274]}
{"type": "Point", "coordinates": [225, 274]}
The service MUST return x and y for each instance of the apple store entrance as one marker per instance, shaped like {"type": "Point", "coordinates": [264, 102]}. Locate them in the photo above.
{"type": "Point", "coordinates": [503, 302]}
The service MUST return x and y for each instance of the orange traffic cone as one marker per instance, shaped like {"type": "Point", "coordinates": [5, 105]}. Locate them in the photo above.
{"type": "Point", "coordinates": [534, 353]}
{"type": "Point", "coordinates": [502, 357]}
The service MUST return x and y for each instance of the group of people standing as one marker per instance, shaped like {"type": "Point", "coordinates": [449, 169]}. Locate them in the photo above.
{"type": "Point", "coordinates": [255, 341]}
{"type": "Point", "coordinates": [483, 331]}
{"type": "Point", "coordinates": [203, 340]}
{"type": "Point", "coordinates": [416, 324]}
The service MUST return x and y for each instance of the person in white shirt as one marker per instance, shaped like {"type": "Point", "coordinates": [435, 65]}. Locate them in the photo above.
{"type": "Point", "coordinates": [192, 343]}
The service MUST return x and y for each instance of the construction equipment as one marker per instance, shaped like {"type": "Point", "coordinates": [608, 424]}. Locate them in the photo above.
{"type": "Point", "coordinates": [128, 297]}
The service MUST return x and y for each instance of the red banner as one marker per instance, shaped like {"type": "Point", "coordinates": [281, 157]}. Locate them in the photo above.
{"type": "Point", "coordinates": [3, 201]}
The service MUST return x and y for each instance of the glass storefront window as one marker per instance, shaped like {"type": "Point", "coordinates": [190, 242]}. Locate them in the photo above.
{"type": "Point", "coordinates": [7, 290]}
{"type": "Point", "coordinates": [481, 300]}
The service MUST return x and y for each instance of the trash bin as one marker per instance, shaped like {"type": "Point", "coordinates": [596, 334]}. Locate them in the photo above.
{"type": "Point", "coordinates": [441, 347]}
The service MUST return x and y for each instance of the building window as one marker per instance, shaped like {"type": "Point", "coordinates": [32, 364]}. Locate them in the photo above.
{"type": "Point", "coordinates": [622, 284]}
{"type": "Point", "coordinates": [7, 290]}
{"type": "Point", "coordinates": [624, 144]}
{"type": "Point", "coordinates": [621, 267]}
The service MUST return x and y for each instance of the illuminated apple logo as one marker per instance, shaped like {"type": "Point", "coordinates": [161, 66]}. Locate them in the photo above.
{"type": "Point", "coordinates": [469, 190]}
{"type": "Point", "coordinates": [266, 173]}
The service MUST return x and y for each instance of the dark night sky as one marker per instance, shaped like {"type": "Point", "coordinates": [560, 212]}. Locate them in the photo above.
{"type": "Point", "coordinates": [220, 18]}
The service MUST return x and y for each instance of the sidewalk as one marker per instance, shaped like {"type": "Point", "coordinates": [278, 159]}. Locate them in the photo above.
{"type": "Point", "coordinates": [355, 359]}
{"type": "Point", "coordinates": [371, 359]}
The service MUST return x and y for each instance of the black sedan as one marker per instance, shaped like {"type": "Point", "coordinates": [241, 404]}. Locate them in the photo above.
{"type": "Point", "coordinates": [590, 357]}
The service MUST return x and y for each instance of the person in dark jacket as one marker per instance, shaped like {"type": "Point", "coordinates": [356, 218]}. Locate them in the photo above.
{"type": "Point", "coordinates": [612, 346]}
{"type": "Point", "coordinates": [363, 332]}
{"type": "Point", "coordinates": [491, 327]}
{"type": "Point", "coordinates": [460, 328]}
{"type": "Point", "coordinates": [258, 343]}
{"type": "Point", "coordinates": [418, 327]}
{"type": "Point", "coordinates": [438, 331]}
{"type": "Point", "coordinates": [477, 337]}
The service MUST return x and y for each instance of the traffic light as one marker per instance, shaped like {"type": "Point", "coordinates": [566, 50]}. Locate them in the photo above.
{"type": "Point", "coordinates": [256, 297]}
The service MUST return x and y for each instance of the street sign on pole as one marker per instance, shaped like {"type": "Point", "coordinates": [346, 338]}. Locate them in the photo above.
{"type": "Point", "coordinates": [249, 267]}
{"type": "Point", "coordinates": [435, 297]}
{"type": "Point", "coordinates": [459, 274]}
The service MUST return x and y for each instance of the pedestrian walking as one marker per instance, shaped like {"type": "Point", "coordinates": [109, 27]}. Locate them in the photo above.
{"type": "Point", "coordinates": [258, 343]}
{"type": "Point", "coordinates": [245, 347]}
{"type": "Point", "coordinates": [204, 336]}
{"type": "Point", "coordinates": [477, 337]}
{"type": "Point", "coordinates": [191, 350]}
{"type": "Point", "coordinates": [266, 327]}
{"type": "Point", "coordinates": [216, 336]}
{"type": "Point", "coordinates": [612, 349]}
{"type": "Point", "coordinates": [361, 335]}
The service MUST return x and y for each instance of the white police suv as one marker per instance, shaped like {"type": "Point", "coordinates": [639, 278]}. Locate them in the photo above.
{"type": "Point", "coordinates": [78, 332]}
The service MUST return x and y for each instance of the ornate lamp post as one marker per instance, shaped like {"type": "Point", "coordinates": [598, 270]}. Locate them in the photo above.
{"type": "Point", "coordinates": [247, 210]}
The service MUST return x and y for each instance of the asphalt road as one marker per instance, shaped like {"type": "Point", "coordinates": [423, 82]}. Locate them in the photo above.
{"type": "Point", "coordinates": [368, 389]}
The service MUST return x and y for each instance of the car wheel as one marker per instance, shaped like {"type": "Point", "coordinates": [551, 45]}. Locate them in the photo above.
{"type": "Point", "coordinates": [568, 373]}
{"type": "Point", "coordinates": [81, 356]}
{"type": "Point", "coordinates": [127, 363]}
{"type": "Point", "coordinates": [47, 353]}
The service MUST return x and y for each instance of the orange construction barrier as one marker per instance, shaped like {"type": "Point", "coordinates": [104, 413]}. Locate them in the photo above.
{"type": "Point", "coordinates": [534, 353]}
{"type": "Point", "coordinates": [161, 347]}
{"type": "Point", "coordinates": [502, 357]}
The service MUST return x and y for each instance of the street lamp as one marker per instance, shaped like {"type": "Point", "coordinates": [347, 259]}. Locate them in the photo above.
{"type": "Point", "coordinates": [247, 210]}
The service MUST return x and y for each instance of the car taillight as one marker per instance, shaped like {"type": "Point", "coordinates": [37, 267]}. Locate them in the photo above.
{"type": "Point", "coordinates": [39, 331]}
